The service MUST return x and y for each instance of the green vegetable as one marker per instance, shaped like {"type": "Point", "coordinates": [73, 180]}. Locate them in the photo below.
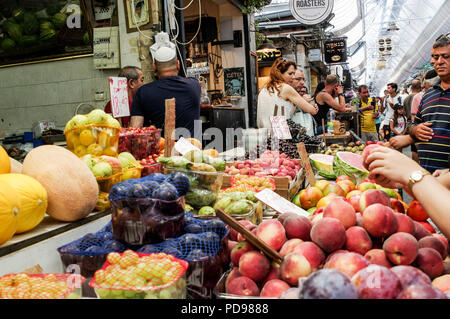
{"type": "Point", "coordinates": [207, 211]}
{"type": "Point", "coordinates": [175, 161]}
{"type": "Point", "coordinates": [240, 207]}
{"type": "Point", "coordinates": [218, 163]}
{"type": "Point", "coordinates": [8, 44]}
{"type": "Point", "coordinates": [28, 40]}
{"type": "Point", "coordinates": [30, 24]}
{"type": "Point", "coordinates": [86, 38]}
{"type": "Point", "coordinates": [59, 20]}
{"type": "Point", "coordinates": [54, 8]}
{"type": "Point", "coordinates": [223, 202]}
{"type": "Point", "coordinates": [14, 30]}
{"type": "Point", "coordinates": [46, 25]}
{"type": "Point", "coordinates": [195, 156]}
{"type": "Point", "coordinates": [189, 208]}
{"type": "Point", "coordinates": [48, 34]}
{"type": "Point", "coordinates": [200, 197]}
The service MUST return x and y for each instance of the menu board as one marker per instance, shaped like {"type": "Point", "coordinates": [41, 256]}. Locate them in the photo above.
{"type": "Point", "coordinates": [335, 51]}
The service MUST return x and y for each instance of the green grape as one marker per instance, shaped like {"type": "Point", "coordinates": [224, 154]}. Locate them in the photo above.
{"type": "Point", "coordinates": [165, 294]}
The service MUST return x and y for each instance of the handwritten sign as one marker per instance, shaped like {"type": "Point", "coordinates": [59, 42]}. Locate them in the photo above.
{"type": "Point", "coordinates": [280, 127]}
{"type": "Point", "coordinates": [278, 203]}
{"type": "Point", "coordinates": [119, 96]}
{"type": "Point", "coordinates": [304, 158]}
{"type": "Point", "coordinates": [182, 146]}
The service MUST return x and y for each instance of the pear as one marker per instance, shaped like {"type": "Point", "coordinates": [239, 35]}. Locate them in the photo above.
{"type": "Point", "coordinates": [127, 160]}
{"type": "Point", "coordinates": [77, 121]}
{"type": "Point", "coordinates": [102, 169]}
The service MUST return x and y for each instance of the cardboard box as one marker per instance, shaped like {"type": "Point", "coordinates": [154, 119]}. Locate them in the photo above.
{"type": "Point", "coordinates": [282, 185]}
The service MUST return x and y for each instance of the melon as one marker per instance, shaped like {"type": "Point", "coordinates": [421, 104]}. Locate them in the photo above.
{"type": "Point", "coordinates": [71, 187]}
{"type": "Point", "coordinates": [9, 209]}
{"type": "Point", "coordinates": [33, 200]}
{"type": "Point", "coordinates": [350, 164]}
{"type": "Point", "coordinates": [5, 164]}
{"type": "Point", "coordinates": [323, 164]}
{"type": "Point", "coordinates": [16, 166]}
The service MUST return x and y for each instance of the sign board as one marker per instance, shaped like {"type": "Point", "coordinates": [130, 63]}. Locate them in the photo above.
{"type": "Point", "coordinates": [315, 55]}
{"type": "Point", "coordinates": [347, 79]}
{"type": "Point", "coordinates": [311, 12]}
{"type": "Point", "coordinates": [234, 82]}
{"type": "Point", "coordinates": [183, 146]}
{"type": "Point", "coordinates": [280, 127]}
{"type": "Point", "coordinates": [335, 51]}
{"type": "Point", "coordinates": [268, 55]}
{"type": "Point", "coordinates": [304, 158]}
{"type": "Point", "coordinates": [278, 203]}
{"type": "Point", "coordinates": [118, 90]}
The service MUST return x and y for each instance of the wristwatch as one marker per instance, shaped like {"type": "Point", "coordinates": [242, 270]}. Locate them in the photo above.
{"type": "Point", "coordinates": [416, 177]}
{"type": "Point", "coordinates": [341, 94]}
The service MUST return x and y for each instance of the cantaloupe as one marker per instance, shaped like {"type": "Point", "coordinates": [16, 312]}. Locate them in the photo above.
{"type": "Point", "coordinates": [72, 189]}
{"type": "Point", "coordinates": [5, 164]}
{"type": "Point", "coordinates": [16, 166]}
{"type": "Point", "coordinates": [33, 200]}
{"type": "Point", "coordinates": [9, 208]}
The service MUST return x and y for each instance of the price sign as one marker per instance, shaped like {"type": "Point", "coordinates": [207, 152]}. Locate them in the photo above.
{"type": "Point", "coordinates": [306, 164]}
{"type": "Point", "coordinates": [118, 90]}
{"type": "Point", "coordinates": [278, 203]}
{"type": "Point", "coordinates": [182, 146]}
{"type": "Point", "coordinates": [280, 127]}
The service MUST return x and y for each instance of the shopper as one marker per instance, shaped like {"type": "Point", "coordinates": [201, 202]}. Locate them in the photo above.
{"type": "Point", "coordinates": [278, 91]}
{"type": "Point", "coordinates": [393, 99]}
{"type": "Point", "coordinates": [431, 129]}
{"type": "Point", "coordinates": [325, 100]}
{"type": "Point", "coordinates": [382, 113]}
{"type": "Point", "coordinates": [149, 103]}
{"type": "Point", "coordinates": [390, 168]}
{"type": "Point", "coordinates": [368, 112]}
{"type": "Point", "coordinates": [378, 101]}
{"type": "Point", "coordinates": [135, 79]}
{"type": "Point", "coordinates": [416, 87]}
{"type": "Point", "coordinates": [429, 80]}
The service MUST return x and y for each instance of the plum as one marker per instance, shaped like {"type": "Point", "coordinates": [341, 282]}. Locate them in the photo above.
{"type": "Point", "coordinates": [328, 284]}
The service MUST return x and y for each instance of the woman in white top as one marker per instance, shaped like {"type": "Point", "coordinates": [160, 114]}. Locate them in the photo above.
{"type": "Point", "coordinates": [278, 91]}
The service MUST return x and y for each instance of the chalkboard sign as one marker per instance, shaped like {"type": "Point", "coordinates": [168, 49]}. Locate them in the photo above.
{"type": "Point", "coordinates": [234, 81]}
{"type": "Point", "coordinates": [335, 51]}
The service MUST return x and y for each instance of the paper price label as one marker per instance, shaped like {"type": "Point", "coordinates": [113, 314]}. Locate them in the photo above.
{"type": "Point", "coordinates": [119, 96]}
{"type": "Point", "coordinates": [280, 127]}
{"type": "Point", "coordinates": [279, 204]}
{"type": "Point", "coordinates": [183, 146]}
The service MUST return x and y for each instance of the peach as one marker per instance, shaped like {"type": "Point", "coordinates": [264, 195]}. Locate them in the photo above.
{"type": "Point", "coordinates": [247, 224]}
{"type": "Point", "coordinates": [254, 265]}
{"type": "Point", "coordinates": [274, 288]}
{"type": "Point", "coordinates": [420, 231]}
{"type": "Point", "coordinates": [397, 206]}
{"type": "Point", "coordinates": [446, 270]}
{"type": "Point", "coordinates": [230, 245]}
{"type": "Point", "coordinates": [297, 227]}
{"type": "Point", "coordinates": [366, 152]}
{"type": "Point", "coordinates": [416, 211]}
{"type": "Point", "coordinates": [321, 183]}
{"type": "Point", "coordinates": [364, 186]}
{"type": "Point", "coordinates": [421, 291]}
{"type": "Point", "coordinates": [312, 253]}
{"type": "Point", "coordinates": [324, 201]}
{"type": "Point", "coordinates": [430, 262]}
{"type": "Point", "coordinates": [316, 218]}
{"type": "Point", "coordinates": [283, 216]}
{"type": "Point", "coordinates": [328, 234]}
{"type": "Point", "coordinates": [242, 238]}
{"type": "Point", "coordinates": [340, 209]}
{"type": "Point", "coordinates": [289, 245]}
{"type": "Point", "coordinates": [401, 248]}
{"type": "Point", "coordinates": [373, 196]}
{"type": "Point", "coordinates": [376, 282]}
{"type": "Point", "coordinates": [359, 220]}
{"type": "Point", "coordinates": [443, 240]}
{"type": "Point", "coordinates": [379, 220]}
{"type": "Point", "coordinates": [243, 286]}
{"type": "Point", "coordinates": [334, 188]}
{"type": "Point", "coordinates": [343, 178]}
{"type": "Point", "coordinates": [347, 186]}
{"type": "Point", "coordinates": [409, 275]}
{"type": "Point", "coordinates": [353, 193]}
{"type": "Point", "coordinates": [241, 248]}
{"type": "Point", "coordinates": [428, 226]}
{"type": "Point", "coordinates": [328, 284]}
{"type": "Point", "coordinates": [354, 201]}
{"type": "Point", "coordinates": [274, 273]}
{"type": "Point", "coordinates": [435, 243]}
{"type": "Point", "coordinates": [349, 263]}
{"type": "Point", "coordinates": [272, 232]}
{"type": "Point", "coordinates": [357, 240]}
{"type": "Point", "coordinates": [405, 223]}
{"type": "Point", "coordinates": [293, 267]}
{"type": "Point", "coordinates": [234, 273]}
{"type": "Point", "coordinates": [378, 257]}
{"type": "Point", "coordinates": [309, 197]}
{"type": "Point", "coordinates": [334, 253]}
{"type": "Point", "coordinates": [442, 283]}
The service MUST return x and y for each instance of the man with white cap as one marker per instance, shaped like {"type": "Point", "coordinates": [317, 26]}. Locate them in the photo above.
{"type": "Point", "coordinates": [148, 106]}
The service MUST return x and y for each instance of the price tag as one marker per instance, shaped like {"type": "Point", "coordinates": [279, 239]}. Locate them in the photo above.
{"type": "Point", "coordinates": [118, 90]}
{"type": "Point", "coordinates": [182, 146]}
{"type": "Point", "coordinates": [304, 158]}
{"type": "Point", "coordinates": [280, 127]}
{"type": "Point", "coordinates": [278, 203]}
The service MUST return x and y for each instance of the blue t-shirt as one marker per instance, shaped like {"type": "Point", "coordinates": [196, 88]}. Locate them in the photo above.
{"type": "Point", "coordinates": [149, 101]}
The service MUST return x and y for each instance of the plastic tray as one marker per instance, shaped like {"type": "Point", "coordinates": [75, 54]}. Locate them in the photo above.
{"type": "Point", "coordinates": [151, 168]}
{"type": "Point", "coordinates": [131, 173]}
{"type": "Point", "coordinates": [141, 145]}
{"type": "Point", "coordinates": [105, 183]}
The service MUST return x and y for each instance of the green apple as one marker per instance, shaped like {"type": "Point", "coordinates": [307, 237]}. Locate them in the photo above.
{"type": "Point", "coordinates": [111, 121]}
{"type": "Point", "coordinates": [127, 160]}
{"type": "Point", "coordinates": [102, 169]}
{"type": "Point", "coordinates": [97, 116]}
{"type": "Point", "coordinates": [89, 161]}
{"type": "Point", "coordinates": [77, 121]}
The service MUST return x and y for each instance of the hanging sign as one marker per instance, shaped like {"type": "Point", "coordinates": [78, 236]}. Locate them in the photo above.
{"type": "Point", "coordinates": [335, 51]}
{"type": "Point", "coordinates": [311, 12]}
{"type": "Point", "coordinates": [268, 55]}
{"type": "Point", "coordinates": [119, 96]}
{"type": "Point", "coordinates": [280, 128]}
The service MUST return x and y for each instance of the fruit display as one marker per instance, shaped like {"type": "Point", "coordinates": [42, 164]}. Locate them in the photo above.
{"type": "Point", "coordinates": [141, 142]}
{"type": "Point", "coordinates": [258, 183]}
{"type": "Point", "coordinates": [150, 165]}
{"type": "Point", "coordinates": [132, 275]}
{"type": "Point", "coordinates": [96, 133]}
{"type": "Point", "coordinates": [323, 164]}
{"type": "Point", "coordinates": [149, 209]}
{"type": "Point", "coordinates": [350, 164]}
{"type": "Point", "coordinates": [340, 250]}
{"type": "Point", "coordinates": [270, 163]}
{"type": "Point", "coordinates": [40, 286]}
{"type": "Point", "coordinates": [5, 163]}
{"type": "Point", "coordinates": [354, 147]}
{"type": "Point", "coordinates": [75, 197]}
{"type": "Point", "coordinates": [9, 209]}
{"type": "Point", "coordinates": [238, 204]}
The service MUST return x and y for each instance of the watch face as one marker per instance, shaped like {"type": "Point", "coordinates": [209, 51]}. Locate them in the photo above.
{"type": "Point", "coordinates": [416, 176]}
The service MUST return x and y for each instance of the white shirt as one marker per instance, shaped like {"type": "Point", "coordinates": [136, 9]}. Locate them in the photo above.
{"type": "Point", "coordinates": [266, 107]}
{"type": "Point", "coordinates": [400, 124]}
{"type": "Point", "coordinates": [389, 110]}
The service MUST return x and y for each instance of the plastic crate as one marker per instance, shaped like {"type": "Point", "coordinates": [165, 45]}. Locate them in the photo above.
{"type": "Point", "coordinates": [141, 145]}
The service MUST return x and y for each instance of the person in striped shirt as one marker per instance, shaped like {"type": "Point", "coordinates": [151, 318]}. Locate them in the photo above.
{"type": "Point", "coordinates": [431, 129]}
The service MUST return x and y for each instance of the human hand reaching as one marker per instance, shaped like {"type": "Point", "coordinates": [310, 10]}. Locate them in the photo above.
{"type": "Point", "coordinates": [424, 132]}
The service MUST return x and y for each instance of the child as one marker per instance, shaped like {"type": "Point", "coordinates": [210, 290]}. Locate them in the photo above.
{"type": "Point", "coordinates": [398, 123]}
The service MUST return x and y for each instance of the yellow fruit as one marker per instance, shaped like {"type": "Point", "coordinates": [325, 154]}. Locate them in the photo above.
{"type": "Point", "coordinates": [195, 142]}
{"type": "Point", "coordinates": [5, 164]}
{"type": "Point", "coordinates": [72, 140]}
{"type": "Point", "coordinates": [9, 209]}
{"type": "Point", "coordinates": [87, 137]}
{"type": "Point", "coordinates": [110, 151]}
{"type": "Point", "coordinates": [80, 150]}
{"type": "Point", "coordinates": [103, 139]}
{"type": "Point", "coordinates": [94, 149]}
{"type": "Point", "coordinates": [211, 152]}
